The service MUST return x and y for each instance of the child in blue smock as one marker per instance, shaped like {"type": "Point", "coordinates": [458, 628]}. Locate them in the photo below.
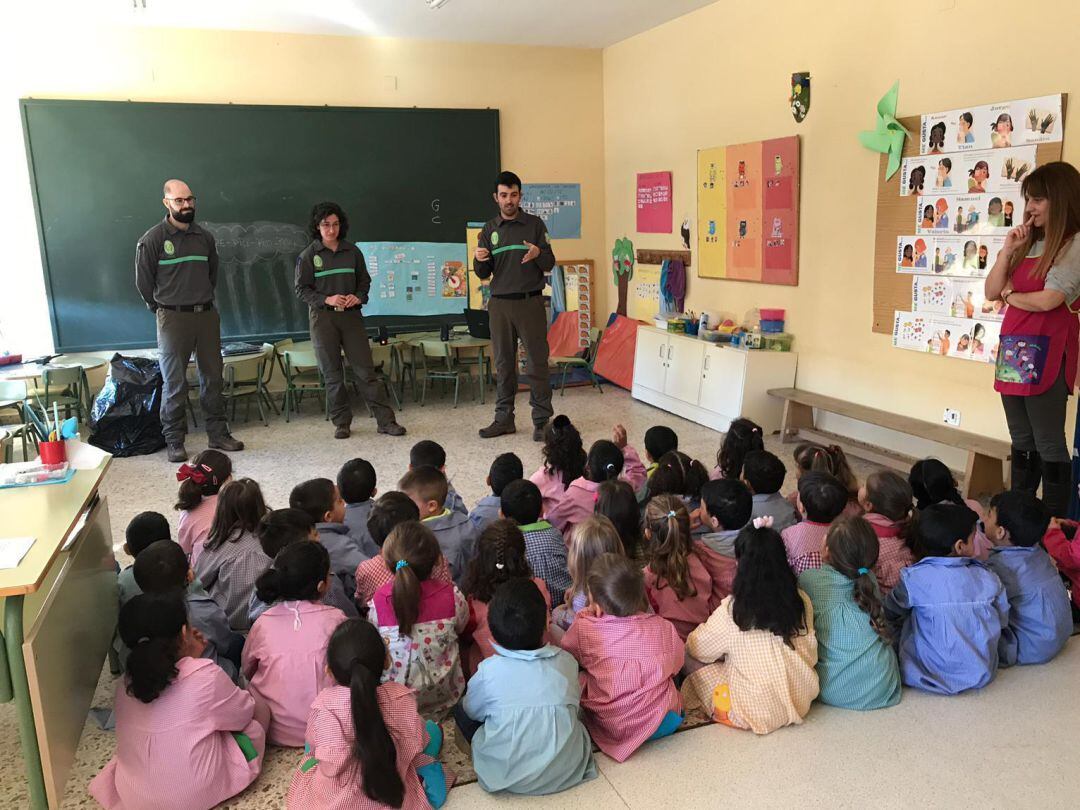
{"type": "Point", "coordinates": [952, 608]}
{"type": "Point", "coordinates": [520, 712]}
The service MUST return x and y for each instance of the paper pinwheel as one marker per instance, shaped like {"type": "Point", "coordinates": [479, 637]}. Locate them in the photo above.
{"type": "Point", "coordinates": [888, 137]}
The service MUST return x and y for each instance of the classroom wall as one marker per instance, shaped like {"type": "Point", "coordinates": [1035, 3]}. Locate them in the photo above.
{"type": "Point", "coordinates": [721, 75]}
{"type": "Point", "coordinates": [550, 102]}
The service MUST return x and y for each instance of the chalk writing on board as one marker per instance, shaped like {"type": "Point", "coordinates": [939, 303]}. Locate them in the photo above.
{"type": "Point", "coordinates": [436, 204]}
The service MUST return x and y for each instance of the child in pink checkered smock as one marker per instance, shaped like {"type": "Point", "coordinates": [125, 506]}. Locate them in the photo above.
{"type": "Point", "coordinates": [186, 735]}
{"type": "Point", "coordinates": [196, 499]}
{"type": "Point", "coordinates": [822, 499]}
{"type": "Point", "coordinates": [886, 499]}
{"type": "Point", "coordinates": [758, 647]}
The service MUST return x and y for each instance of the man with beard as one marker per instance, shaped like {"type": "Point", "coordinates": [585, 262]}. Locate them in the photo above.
{"type": "Point", "coordinates": [514, 250]}
{"type": "Point", "coordinates": [176, 266]}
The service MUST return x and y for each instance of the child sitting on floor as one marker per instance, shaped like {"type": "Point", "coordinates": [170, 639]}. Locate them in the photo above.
{"type": "Point", "coordinates": [504, 469]}
{"type": "Point", "coordinates": [1062, 543]}
{"type": "Point", "coordinates": [592, 537]}
{"type": "Point", "coordinates": [677, 583]}
{"type": "Point", "coordinates": [810, 457]}
{"type": "Point", "coordinates": [933, 482]}
{"type": "Point", "coordinates": [629, 658]}
{"type": "Point", "coordinates": [764, 474]}
{"type": "Point", "coordinates": [322, 500]}
{"type": "Point", "coordinates": [726, 507]}
{"type": "Point", "coordinates": [144, 529]}
{"type": "Point", "coordinates": [951, 608]}
{"type": "Point", "coordinates": [617, 501]}
{"type": "Point", "coordinates": [659, 440]}
{"type": "Point", "coordinates": [1040, 620]}
{"type": "Point", "coordinates": [678, 474]}
{"type": "Point", "coordinates": [356, 481]}
{"type": "Point", "coordinates": [564, 461]}
{"type": "Point", "coordinates": [857, 667]}
{"type": "Point", "coordinates": [454, 531]}
{"type": "Point", "coordinates": [822, 499]}
{"type": "Point", "coordinates": [367, 745]}
{"type": "Point", "coordinates": [428, 453]}
{"type": "Point", "coordinates": [886, 499]}
{"type": "Point", "coordinates": [520, 713]}
{"type": "Point", "coordinates": [758, 648]}
{"type": "Point", "coordinates": [545, 549]}
{"type": "Point", "coordinates": [743, 436]}
{"type": "Point", "coordinates": [196, 500]}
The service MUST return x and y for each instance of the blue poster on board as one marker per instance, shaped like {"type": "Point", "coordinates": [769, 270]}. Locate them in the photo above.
{"type": "Point", "coordinates": [558, 204]}
{"type": "Point", "coordinates": [415, 278]}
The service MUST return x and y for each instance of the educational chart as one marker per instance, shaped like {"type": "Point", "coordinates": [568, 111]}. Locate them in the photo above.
{"type": "Point", "coordinates": [992, 126]}
{"type": "Point", "coordinates": [988, 214]}
{"type": "Point", "coordinates": [963, 338]}
{"type": "Point", "coordinates": [968, 256]}
{"type": "Point", "coordinates": [479, 290]}
{"type": "Point", "coordinates": [748, 212]}
{"type": "Point", "coordinates": [558, 204]}
{"type": "Point", "coordinates": [644, 300]}
{"type": "Point", "coordinates": [654, 202]}
{"type": "Point", "coordinates": [416, 278]}
{"type": "Point", "coordinates": [990, 170]}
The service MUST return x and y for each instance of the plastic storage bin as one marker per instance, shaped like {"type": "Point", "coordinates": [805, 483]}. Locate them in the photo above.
{"type": "Point", "coordinates": [777, 341]}
{"type": "Point", "coordinates": [772, 326]}
{"type": "Point", "coordinates": [772, 314]}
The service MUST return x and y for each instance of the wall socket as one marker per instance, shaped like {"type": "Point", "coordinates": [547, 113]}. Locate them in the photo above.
{"type": "Point", "coordinates": [951, 417]}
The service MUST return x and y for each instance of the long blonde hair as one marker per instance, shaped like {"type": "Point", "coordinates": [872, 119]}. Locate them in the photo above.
{"type": "Point", "coordinates": [592, 537]}
{"type": "Point", "coordinates": [1059, 184]}
{"type": "Point", "coordinates": [669, 546]}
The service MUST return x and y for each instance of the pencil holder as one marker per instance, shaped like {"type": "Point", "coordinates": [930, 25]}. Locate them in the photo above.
{"type": "Point", "coordinates": [52, 452]}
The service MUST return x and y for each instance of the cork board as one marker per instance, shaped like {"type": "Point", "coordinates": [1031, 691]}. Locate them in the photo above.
{"type": "Point", "coordinates": [896, 217]}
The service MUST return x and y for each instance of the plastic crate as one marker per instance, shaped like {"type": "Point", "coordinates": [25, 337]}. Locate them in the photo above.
{"type": "Point", "coordinates": [777, 341]}
{"type": "Point", "coordinates": [773, 327]}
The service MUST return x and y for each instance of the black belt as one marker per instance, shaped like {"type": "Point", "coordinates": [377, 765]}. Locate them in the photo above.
{"type": "Point", "coordinates": [518, 296]}
{"type": "Point", "coordinates": [188, 307]}
{"type": "Point", "coordinates": [325, 308]}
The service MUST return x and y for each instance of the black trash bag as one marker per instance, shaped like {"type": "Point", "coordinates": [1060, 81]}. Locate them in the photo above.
{"type": "Point", "coordinates": [126, 419]}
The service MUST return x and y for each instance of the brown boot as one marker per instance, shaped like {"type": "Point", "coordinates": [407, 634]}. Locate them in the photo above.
{"type": "Point", "coordinates": [342, 432]}
{"type": "Point", "coordinates": [497, 428]}
{"type": "Point", "coordinates": [392, 429]}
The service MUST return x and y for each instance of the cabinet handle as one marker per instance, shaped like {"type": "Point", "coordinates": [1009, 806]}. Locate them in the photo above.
{"type": "Point", "coordinates": [661, 355]}
{"type": "Point", "coordinates": [669, 352]}
{"type": "Point", "coordinates": [706, 362]}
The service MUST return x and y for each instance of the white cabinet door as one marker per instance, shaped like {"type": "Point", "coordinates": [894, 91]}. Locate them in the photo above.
{"type": "Point", "coordinates": [722, 380]}
{"type": "Point", "coordinates": [650, 359]}
{"type": "Point", "coordinates": [684, 369]}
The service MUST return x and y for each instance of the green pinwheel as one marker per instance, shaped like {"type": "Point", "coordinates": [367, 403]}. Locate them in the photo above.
{"type": "Point", "coordinates": [888, 137]}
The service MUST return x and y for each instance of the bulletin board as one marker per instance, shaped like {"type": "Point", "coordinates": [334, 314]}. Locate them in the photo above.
{"type": "Point", "coordinates": [748, 212]}
{"type": "Point", "coordinates": [896, 218]}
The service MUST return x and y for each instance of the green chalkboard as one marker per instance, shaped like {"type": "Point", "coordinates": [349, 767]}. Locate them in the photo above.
{"type": "Point", "coordinates": [97, 168]}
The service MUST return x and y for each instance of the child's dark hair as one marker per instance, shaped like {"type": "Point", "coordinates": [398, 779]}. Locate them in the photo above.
{"type": "Point", "coordinates": [853, 551]}
{"type": "Point", "coordinates": [391, 509]}
{"type": "Point", "coordinates": [669, 546]}
{"type": "Point", "coordinates": [933, 482]}
{"type": "Point", "coordinates": [316, 497]}
{"type": "Point", "coordinates": [810, 457]}
{"type": "Point", "coordinates": [605, 461]}
{"type": "Point", "coordinates": [505, 468]}
{"type": "Point", "coordinates": [206, 474]}
{"type": "Point", "coordinates": [764, 472]}
{"type": "Point", "coordinates": [356, 480]}
{"type": "Point", "coordinates": [521, 502]}
{"type": "Point", "coordinates": [660, 439]}
{"type": "Point", "coordinates": [563, 450]}
{"type": "Point", "coordinates": [617, 585]}
{"type": "Point", "coordinates": [823, 497]}
{"type": "Point", "coordinates": [677, 474]}
{"type": "Point", "coordinates": [517, 615]}
{"type": "Point", "coordinates": [729, 501]}
{"type": "Point", "coordinates": [426, 483]}
{"type": "Point", "coordinates": [939, 526]}
{"type": "Point", "coordinates": [162, 566]}
{"type": "Point", "coordinates": [410, 553]}
{"type": "Point", "coordinates": [1022, 515]}
{"type": "Point", "coordinates": [150, 626]}
{"type": "Point", "coordinates": [283, 527]}
{"type": "Point", "coordinates": [889, 494]}
{"type": "Point", "coordinates": [240, 508]}
{"type": "Point", "coordinates": [765, 594]}
{"type": "Point", "coordinates": [616, 501]}
{"type": "Point", "coordinates": [499, 556]}
{"type": "Point", "coordinates": [355, 656]}
{"type": "Point", "coordinates": [146, 528]}
{"type": "Point", "coordinates": [427, 453]}
{"type": "Point", "coordinates": [742, 436]}
{"type": "Point", "coordinates": [295, 575]}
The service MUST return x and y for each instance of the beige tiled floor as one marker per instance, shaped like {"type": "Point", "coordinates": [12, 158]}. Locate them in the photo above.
{"type": "Point", "coordinates": [1012, 744]}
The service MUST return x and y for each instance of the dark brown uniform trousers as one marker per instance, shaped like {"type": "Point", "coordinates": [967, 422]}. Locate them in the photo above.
{"type": "Point", "coordinates": [332, 331]}
{"type": "Point", "coordinates": [511, 320]}
{"type": "Point", "coordinates": [178, 335]}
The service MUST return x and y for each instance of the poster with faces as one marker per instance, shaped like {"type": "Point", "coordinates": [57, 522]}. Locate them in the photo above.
{"type": "Point", "coordinates": [964, 339]}
{"type": "Point", "coordinates": [968, 256]}
{"type": "Point", "coordinates": [957, 298]}
{"type": "Point", "coordinates": [910, 330]}
{"type": "Point", "coordinates": [976, 172]}
{"type": "Point", "coordinates": [992, 126]}
{"type": "Point", "coordinates": [989, 214]}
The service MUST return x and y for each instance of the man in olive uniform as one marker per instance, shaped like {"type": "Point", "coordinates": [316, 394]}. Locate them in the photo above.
{"type": "Point", "coordinates": [332, 279]}
{"type": "Point", "coordinates": [514, 250]}
{"type": "Point", "coordinates": [176, 266]}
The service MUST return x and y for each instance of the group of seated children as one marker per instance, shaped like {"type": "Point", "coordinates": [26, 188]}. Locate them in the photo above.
{"type": "Point", "coordinates": [595, 602]}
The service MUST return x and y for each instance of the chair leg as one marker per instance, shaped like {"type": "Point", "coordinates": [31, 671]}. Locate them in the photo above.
{"type": "Point", "coordinates": [287, 405]}
{"type": "Point", "coordinates": [457, 384]}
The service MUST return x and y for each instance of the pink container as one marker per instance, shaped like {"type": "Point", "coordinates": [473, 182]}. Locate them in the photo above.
{"type": "Point", "coordinates": [772, 314]}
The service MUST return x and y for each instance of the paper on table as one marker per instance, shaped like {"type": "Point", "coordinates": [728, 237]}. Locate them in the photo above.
{"type": "Point", "coordinates": [83, 456]}
{"type": "Point", "coordinates": [13, 549]}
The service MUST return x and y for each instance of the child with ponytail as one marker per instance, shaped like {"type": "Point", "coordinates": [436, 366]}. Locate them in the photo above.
{"type": "Point", "coordinates": [284, 658]}
{"type": "Point", "coordinates": [592, 537]}
{"type": "Point", "coordinates": [564, 461]}
{"type": "Point", "coordinates": [196, 501]}
{"type": "Point", "coordinates": [857, 666]}
{"type": "Point", "coordinates": [743, 436]}
{"type": "Point", "coordinates": [886, 499]}
{"type": "Point", "coordinates": [420, 618]}
{"type": "Point", "coordinates": [186, 735]}
{"type": "Point", "coordinates": [810, 457]}
{"type": "Point", "coordinates": [367, 744]}
{"type": "Point", "coordinates": [933, 482]}
{"type": "Point", "coordinates": [677, 582]}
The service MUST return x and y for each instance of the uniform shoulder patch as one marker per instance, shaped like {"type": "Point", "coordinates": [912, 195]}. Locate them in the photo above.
{"type": "Point", "coordinates": [170, 248]}
{"type": "Point", "coordinates": [494, 237]}
{"type": "Point", "coordinates": [317, 261]}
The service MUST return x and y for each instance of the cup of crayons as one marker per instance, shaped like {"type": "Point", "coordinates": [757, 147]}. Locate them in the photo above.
{"type": "Point", "coordinates": [53, 451]}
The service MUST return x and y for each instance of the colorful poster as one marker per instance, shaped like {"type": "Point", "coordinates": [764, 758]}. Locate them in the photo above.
{"type": "Point", "coordinates": [990, 170]}
{"type": "Point", "coordinates": [958, 298]}
{"type": "Point", "coordinates": [946, 336]}
{"type": "Point", "coordinates": [479, 291]}
{"type": "Point", "coordinates": [748, 212]}
{"type": "Point", "coordinates": [980, 214]}
{"type": "Point", "coordinates": [654, 202]}
{"type": "Point", "coordinates": [558, 204]}
{"type": "Point", "coordinates": [416, 278]}
{"type": "Point", "coordinates": [644, 299]}
{"type": "Point", "coordinates": [968, 256]}
{"type": "Point", "coordinates": [992, 126]}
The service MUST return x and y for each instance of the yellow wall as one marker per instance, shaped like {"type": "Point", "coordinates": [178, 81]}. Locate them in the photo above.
{"type": "Point", "coordinates": [721, 75]}
{"type": "Point", "coordinates": [550, 102]}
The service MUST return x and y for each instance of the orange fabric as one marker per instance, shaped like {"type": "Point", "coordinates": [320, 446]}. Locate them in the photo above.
{"type": "Point", "coordinates": [562, 335]}
{"type": "Point", "coordinates": [615, 356]}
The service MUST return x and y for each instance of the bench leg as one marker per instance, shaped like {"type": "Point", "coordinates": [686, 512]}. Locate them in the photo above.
{"type": "Point", "coordinates": [796, 416]}
{"type": "Point", "coordinates": [984, 475]}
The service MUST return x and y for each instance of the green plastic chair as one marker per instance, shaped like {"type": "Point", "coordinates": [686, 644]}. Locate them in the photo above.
{"type": "Point", "coordinates": [13, 395]}
{"type": "Point", "coordinates": [246, 379]}
{"type": "Point", "coordinates": [444, 367]}
{"type": "Point", "coordinates": [566, 363]}
{"type": "Point", "coordinates": [302, 376]}
{"type": "Point", "coordinates": [66, 387]}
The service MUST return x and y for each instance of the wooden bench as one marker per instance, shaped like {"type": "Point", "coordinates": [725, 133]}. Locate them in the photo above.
{"type": "Point", "coordinates": [987, 469]}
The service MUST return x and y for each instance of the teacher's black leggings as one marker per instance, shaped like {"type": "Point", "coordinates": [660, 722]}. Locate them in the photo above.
{"type": "Point", "coordinates": [1038, 422]}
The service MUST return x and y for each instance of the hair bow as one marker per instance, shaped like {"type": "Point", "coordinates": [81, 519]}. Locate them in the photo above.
{"type": "Point", "coordinates": [401, 564]}
{"type": "Point", "coordinates": [198, 473]}
{"type": "Point", "coordinates": [671, 513]}
{"type": "Point", "coordinates": [763, 522]}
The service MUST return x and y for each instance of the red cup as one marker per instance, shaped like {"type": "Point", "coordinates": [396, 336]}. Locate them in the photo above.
{"type": "Point", "coordinates": [52, 452]}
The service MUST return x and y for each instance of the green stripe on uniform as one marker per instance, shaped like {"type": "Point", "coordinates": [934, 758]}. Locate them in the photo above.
{"type": "Point", "coordinates": [183, 259]}
{"type": "Point", "coordinates": [322, 273]}
{"type": "Point", "coordinates": [505, 248]}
